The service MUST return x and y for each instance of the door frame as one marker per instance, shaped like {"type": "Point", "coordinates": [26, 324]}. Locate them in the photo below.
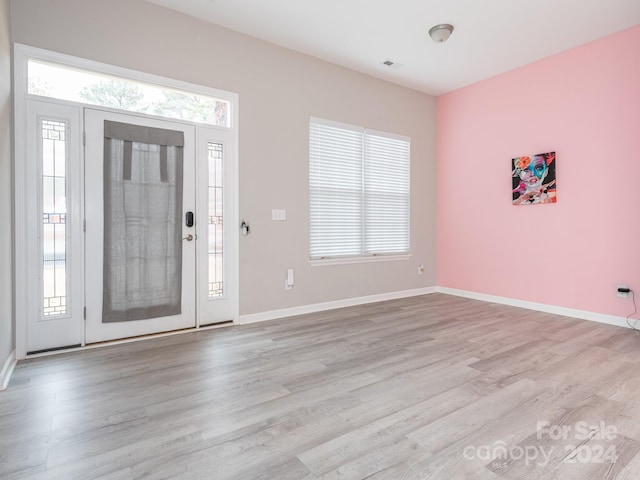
{"type": "Point", "coordinates": [23, 229]}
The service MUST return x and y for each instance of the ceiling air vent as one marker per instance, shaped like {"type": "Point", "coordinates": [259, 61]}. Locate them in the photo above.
{"type": "Point", "coordinates": [391, 64]}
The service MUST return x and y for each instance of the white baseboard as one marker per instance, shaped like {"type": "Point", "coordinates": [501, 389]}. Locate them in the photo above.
{"type": "Point", "coordinates": [320, 307]}
{"type": "Point", "coordinates": [350, 302]}
{"type": "Point", "coordinates": [7, 370]}
{"type": "Point", "coordinates": [541, 307]}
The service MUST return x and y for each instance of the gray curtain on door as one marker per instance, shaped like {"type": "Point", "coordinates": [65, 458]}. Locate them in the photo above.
{"type": "Point", "coordinates": [142, 222]}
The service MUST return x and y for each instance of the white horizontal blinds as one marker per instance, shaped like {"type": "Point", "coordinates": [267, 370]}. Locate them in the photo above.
{"type": "Point", "coordinates": [335, 190]}
{"type": "Point", "coordinates": [386, 194]}
{"type": "Point", "coordinates": [359, 191]}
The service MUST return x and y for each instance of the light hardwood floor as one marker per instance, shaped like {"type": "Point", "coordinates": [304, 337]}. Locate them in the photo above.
{"type": "Point", "coordinates": [430, 387]}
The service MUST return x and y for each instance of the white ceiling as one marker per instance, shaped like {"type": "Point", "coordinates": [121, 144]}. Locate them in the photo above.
{"type": "Point", "coordinates": [490, 37]}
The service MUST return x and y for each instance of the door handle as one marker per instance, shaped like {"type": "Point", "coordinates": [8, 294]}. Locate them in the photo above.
{"type": "Point", "coordinates": [188, 238]}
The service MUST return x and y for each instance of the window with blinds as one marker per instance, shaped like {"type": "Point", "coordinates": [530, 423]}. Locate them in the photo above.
{"type": "Point", "coordinates": [358, 191]}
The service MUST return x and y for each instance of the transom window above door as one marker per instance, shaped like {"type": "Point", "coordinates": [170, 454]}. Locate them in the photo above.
{"type": "Point", "coordinates": [94, 88]}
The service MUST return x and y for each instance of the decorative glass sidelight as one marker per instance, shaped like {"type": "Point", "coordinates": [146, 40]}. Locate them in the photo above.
{"type": "Point", "coordinates": [215, 220]}
{"type": "Point", "coordinates": [54, 216]}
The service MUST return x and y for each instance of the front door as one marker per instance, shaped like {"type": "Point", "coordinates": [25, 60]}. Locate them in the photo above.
{"type": "Point", "coordinates": [140, 211]}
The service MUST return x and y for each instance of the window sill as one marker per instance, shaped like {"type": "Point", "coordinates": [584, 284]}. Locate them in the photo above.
{"type": "Point", "coordinates": [349, 260]}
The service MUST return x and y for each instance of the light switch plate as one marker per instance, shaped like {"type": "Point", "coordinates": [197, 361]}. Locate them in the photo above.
{"type": "Point", "coordinates": [279, 215]}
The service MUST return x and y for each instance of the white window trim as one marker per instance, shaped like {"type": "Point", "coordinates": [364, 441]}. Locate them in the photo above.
{"type": "Point", "coordinates": [323, 262]}
{"type": "Point", "coordinates": [346, 260]}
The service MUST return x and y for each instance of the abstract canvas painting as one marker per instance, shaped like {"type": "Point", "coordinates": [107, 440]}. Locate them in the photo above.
{"type": "Point", "coordinates": [534, 179]}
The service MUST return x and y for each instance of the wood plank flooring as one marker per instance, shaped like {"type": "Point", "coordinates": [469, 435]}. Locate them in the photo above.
{"type": "Point", "coordinates": [431, 387]}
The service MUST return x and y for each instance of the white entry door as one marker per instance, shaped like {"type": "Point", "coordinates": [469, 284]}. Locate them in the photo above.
{"type": "Point", "coordinates": [140, 213]}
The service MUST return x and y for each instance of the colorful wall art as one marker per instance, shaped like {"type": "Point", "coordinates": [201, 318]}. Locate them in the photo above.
{"type": "Point", "coordinates": [534, 179]}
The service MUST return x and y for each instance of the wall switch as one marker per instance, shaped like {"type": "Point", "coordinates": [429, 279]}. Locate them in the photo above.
{"type": "Point", "coordinates": [289, 282]}
{"type": "Point", "coordinates": [279, 215]}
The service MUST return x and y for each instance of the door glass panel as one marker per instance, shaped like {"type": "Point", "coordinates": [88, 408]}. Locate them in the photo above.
{"type": "Point", "coordinates": [54, 215]}
{"type": "Point", "coordinates": [215, 220]}
{"type": "Point", "coordinates": [143, 183]}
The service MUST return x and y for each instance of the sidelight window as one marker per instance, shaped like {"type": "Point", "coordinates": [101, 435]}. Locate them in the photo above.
{"type": "Point", "coordinates": [53, 136]}
{"type": "Point", "coordinates": [215, 223]}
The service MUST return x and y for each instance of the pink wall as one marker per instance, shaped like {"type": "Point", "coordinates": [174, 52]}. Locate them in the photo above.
{"type": "Point", "coordinates": [585, 105]}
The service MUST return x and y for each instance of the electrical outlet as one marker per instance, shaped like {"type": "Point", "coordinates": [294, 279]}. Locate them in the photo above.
{"type": "Point", "coordinates": [288, 283]}
{"type": "Point", "coordinates": [623, 294]}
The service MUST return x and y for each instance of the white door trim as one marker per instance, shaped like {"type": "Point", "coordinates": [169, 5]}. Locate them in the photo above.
{"type": "Point", "coordinates": [22, 53]}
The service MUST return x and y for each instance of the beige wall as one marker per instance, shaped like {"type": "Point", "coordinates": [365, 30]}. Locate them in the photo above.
{"type": "Point", "coordinates": [6, 268]}
{"type": "Point", "coordinates": [279, 90]}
